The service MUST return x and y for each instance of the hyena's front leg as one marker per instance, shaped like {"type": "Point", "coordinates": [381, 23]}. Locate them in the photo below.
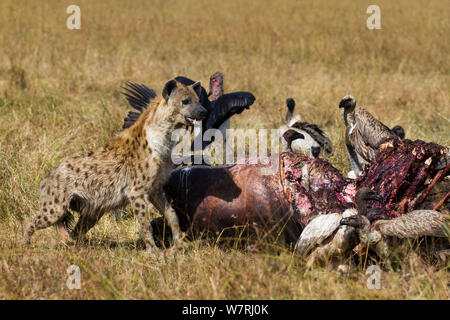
{"type": "Point", "coordinates": [172, 219]}
{"type": "Point", "coordinates": [141, 208]}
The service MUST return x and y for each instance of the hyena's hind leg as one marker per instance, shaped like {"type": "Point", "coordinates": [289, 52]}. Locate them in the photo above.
{"type": "Point", "coordinates": [88, 219]}
{"type": "Point", "coordinates": [63, 225]}
{"type": "Point", "coordinates": [53, 204]}
{"type": "Point", "coordinates": [49, 214]}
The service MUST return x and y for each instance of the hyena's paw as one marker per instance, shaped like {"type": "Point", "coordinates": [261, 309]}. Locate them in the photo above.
{"type": "Point", "coordinates": [26, 236]}
{"type": "Point", "coordinates": [154, 254]}
{"type": "Point", "coordinates": [179, 243]}
{"type": "Point", "coordinates": [24, 243]}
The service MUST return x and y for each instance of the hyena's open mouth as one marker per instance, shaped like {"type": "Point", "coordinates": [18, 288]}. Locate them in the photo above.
{"type": "Point", "coordinates": [192, 121]}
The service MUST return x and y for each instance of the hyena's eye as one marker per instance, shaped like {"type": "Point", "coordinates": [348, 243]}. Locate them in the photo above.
{"type": "Point", "coordinates": [186, 101]}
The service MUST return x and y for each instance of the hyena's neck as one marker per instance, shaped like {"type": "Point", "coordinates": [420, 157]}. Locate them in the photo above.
{"type": "Point", "coordinates": [157, 132]}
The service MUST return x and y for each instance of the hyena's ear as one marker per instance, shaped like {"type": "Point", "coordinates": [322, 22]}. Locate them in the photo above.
{"type": "Point", "coordinates": [197, 88]}
{"type": "Point", "coordinates": [169, 88]}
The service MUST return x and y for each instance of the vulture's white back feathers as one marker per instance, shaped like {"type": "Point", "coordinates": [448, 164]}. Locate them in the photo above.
{"type": "Point", "coordinates": [316, 231]}
{"type": "Point", "coordinates": [417, 223]}
{"type": "Point", "coordinates": [319, 229]}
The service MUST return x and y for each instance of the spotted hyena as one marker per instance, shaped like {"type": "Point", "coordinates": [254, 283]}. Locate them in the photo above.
{"type": "Point", "coordinates": [130, 169]}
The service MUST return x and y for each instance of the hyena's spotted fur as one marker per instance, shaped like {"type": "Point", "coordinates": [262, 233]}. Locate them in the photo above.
{"type": "Point", "coordinates": [130, 169]}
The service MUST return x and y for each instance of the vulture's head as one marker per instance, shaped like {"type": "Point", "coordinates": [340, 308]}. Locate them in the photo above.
{"type": "Point", "coordinates": [357, 221]}
{"type": "Point", "coordinates": [306, 138]}
{"type": "Point", "coordinates": [363, 224]}
{"type": "Point", "coordinates": [348, 102]}
{"type": "Point", "coordinates": [361, 197]}
{"type": "Point", "coordinates": [215, 88]}
{"type": "Point", "coordinates": [365, 194]}
{"type": "Point", "coordinates": [300, 141]}
{"type": "Point", "coordinates": [399, 132]}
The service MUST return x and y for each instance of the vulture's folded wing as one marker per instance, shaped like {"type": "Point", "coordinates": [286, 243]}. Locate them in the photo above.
{"type": "Point", "coordinates": [414, 224]}
{"type": "Point", "coordinates": [291, 135]}
{"type": "Point", "coordinates": [204, 101]}
{"type": "Point", "coordinates": [372, 131]}
{"type": "Point", "coordinates": [317, 134]}
{"type": "Point", "coordinates": [316, 231]}
{"type": "Point", "coordinates": [139, 97]}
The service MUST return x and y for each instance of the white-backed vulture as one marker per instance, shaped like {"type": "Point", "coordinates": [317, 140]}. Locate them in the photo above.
{"type": "Point", "coordinates": [412, 225]}
{"type": "Point", "coordinates": [326, 239]}
{"type": "Point", "coordinates": [302, 137]}
{"type": "Point", "coordinates": [363, 133]}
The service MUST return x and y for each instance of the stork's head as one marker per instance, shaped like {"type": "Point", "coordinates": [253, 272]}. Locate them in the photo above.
{"type": "Point", "coordinates": [215, 88]}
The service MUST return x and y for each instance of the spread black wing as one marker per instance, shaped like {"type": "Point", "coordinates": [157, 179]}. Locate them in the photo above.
{"type": "Point", "coordinates": [130, 119]}
{"type": "Point", "coordinates": [139, 97]}
{"type": "Point", "coordinates": [222, 109]}
{"type": "Point", "coordinates": [226, 106]}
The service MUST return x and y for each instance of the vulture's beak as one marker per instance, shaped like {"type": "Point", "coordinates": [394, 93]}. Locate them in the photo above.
{"type": "Point", "coordinates": [343, 222]}
{"type": "Point", "coordinates": [376, 197]}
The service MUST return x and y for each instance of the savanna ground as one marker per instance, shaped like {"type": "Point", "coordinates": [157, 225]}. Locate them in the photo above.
{"type": "Point", "coordinates": [60, 97]}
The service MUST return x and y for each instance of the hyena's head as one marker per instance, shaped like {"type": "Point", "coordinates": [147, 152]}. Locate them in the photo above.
{"type": "Point", "coordinates": [183, 102]}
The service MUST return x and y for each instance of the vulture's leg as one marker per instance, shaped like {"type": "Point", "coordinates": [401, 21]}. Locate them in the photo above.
{"type": "Point", "coordinates": [354, 161]}
{"type": "Point", "coordinates": [382, 251]}
{"type": "Point", "coordinates": [314, 258]}
{"type": "Point", "coordinates": [323, 254]}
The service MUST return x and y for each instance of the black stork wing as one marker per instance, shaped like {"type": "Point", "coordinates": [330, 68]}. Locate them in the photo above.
{"type": "Point", "coordinates": [130, 119]}
{"type": "Point", "coordinates": [204, 101]}
{"type": "Point", "coordinates": [222, 109]}
{"type": "Point", "coordinates": [226, 106]}
{"type": "Point", "coordinates": [139, 97]}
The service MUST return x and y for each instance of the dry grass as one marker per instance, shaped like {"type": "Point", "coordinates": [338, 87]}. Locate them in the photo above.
{"type": "Point", "coordinates": [59, 97]}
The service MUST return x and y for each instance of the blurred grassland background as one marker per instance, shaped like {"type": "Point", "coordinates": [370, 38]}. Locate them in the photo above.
{"type": "Point", "coordinates": [60, 97]}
